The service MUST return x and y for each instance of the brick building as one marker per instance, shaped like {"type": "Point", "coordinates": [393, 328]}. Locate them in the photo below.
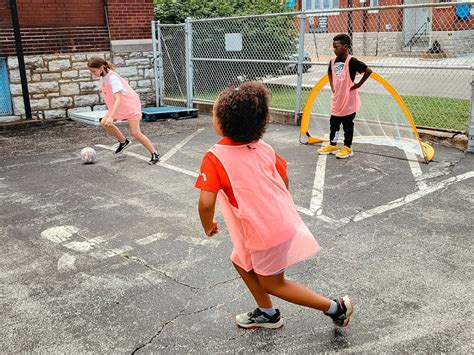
{"type": "Point", "coordinates": [58, 36]}
{"type": "Point", "coordinates": [395, 30]}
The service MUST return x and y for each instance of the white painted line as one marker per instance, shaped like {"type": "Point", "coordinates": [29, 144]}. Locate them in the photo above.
{"type": "Point", "coordinates": [305, 211]}
{"type": "Point", "coordinates": [105, 254]}
{"type": "Point", "coordinates": [416, 170]}
{"type": "Point", "coordinates": [180, 170]}
{"type": "Point", "coordinates": [66, 262]}
{"type": "Point", "coordinates": [329, 220]}
{"type": "Point", "coordinates": [59, 234]}
{"type": "Point", "coordinates": [84, 246]}
{"type": "Point", "coordinates": [409, 198]}
{"type": "Point", "coordinates": [318, 186]}
{"type": "Point", "coordinates": [164, 165]}
{"type": "Point", "coordinates": [151, 238]}
{"type": "Point", "coordinates": [180, 145]}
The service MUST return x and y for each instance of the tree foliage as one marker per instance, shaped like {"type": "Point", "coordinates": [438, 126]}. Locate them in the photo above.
{"type": "Point", "coordinates": [266, 41]}
{"type": "Point", "coordinates": [176, 11]}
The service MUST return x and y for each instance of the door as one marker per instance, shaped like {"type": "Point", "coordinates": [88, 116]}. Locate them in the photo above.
{"type": "Point", "coordinates": [5, 99]}
{"type": "Point", "coordinates": [416, 24]}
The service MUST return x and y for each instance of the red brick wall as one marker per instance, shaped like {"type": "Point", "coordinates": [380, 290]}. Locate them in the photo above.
{"type": "Point", "coordinates": [5, 18]}
{"type": "Point", "coordinates": [56, 40]}
{"type": "Point", "coordinates": [55, 26]}
{"type": "Point", "coordinates": [130, 19]}
{"type": "Point", "coordinates": [60, 13]}
{"type": "Point", "coordinates": [444, 19]}
{"type": "Point", "coordinates": [372, 22]}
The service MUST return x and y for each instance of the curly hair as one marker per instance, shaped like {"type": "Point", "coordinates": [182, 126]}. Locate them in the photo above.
{"type": "Point", "coordinates": [243, 112]}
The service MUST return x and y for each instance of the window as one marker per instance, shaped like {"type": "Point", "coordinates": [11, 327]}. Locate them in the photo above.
{"type": "Point", "coordinates": [373, 3]}
{"type": "Point", "coordinates": [309, 5]}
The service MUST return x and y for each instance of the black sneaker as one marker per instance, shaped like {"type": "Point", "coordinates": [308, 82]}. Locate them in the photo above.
{"type": "Point", "coordinates": [122, 146]}
{"type": "Point", "coordinates": [259, 319]}
{"type": "Point", "coordinates": [155, 158]}
{"type": "Point", "coordinates": [344, 312]}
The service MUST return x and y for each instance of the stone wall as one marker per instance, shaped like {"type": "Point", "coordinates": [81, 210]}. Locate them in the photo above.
{"type": "Point", "coordinates": [61, 84]}
{"type": "Point", "coordinates": [137, 68]}
{"type": "Point", "coordinates": [455, 43]}
{"type": "Point", "coordinates": [364, 44]}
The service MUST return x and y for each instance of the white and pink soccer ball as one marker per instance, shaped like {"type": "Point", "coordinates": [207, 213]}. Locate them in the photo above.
{"type": "Point", "coordinates": [88, 155]}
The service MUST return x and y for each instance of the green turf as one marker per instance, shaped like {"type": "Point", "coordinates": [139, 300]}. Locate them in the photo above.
{"type": "Point", "coordinates": [435, 112]}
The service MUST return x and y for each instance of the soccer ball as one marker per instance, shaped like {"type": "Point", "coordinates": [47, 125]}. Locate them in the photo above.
{"type": "Point", "coordinates": [88, 155]}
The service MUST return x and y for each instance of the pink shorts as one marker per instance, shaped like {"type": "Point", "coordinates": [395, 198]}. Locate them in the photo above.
{"type": "Point", "coordinates": [131, 118]}
{"type": "Point", "coordinates": [272, 261]}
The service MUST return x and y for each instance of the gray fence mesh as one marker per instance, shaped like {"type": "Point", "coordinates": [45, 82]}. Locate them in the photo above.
{"type": "Point", "coordinates": [173, 52]}
{"type": "Point", "coordinates": [425, 52]}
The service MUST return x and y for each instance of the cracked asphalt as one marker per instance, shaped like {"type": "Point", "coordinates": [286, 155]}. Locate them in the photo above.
{"type": "Point", "coordinates": [110, 257]}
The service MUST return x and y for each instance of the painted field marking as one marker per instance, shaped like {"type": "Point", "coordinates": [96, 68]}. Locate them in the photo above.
{"type": "Point", "coordinates": [316, 205]}
{"type": "Point", "coordinates": [416, 170]}
{"type": "Point", "coordinates": [408, 198]}
{"type": "Point", "coordinates": [180, 145]}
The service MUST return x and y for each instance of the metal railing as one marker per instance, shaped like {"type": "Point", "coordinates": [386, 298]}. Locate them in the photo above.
{"type": "Point", "coordinates": [290, 52]}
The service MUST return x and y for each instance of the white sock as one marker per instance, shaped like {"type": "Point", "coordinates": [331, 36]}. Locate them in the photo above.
{"type": "Point", "coordinates": [269, 311]}
{"type": "Point", "coordinates": [332, 308]}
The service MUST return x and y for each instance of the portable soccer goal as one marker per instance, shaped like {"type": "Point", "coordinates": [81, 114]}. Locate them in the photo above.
{"type": "Point", "coordinates": [383, 119]}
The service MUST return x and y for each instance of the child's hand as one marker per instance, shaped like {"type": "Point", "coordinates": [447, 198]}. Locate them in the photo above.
{"type": "Point", "coordinates": [213, 230]}
{"type": "Point", "coordinates": [355, 86]}
{"type": "Point", "coordinates": [108, 121]}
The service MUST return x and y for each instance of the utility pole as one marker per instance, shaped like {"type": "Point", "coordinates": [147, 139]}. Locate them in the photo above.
{"type": "Point", "coordinates": [21, 59]}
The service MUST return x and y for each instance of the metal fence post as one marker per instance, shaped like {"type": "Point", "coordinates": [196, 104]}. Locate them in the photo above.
{"type": "Point", "coordinates": [156, 45]}
{"type": "Point", "coordinates": [299, 80]}
{"type": "Point", "coordinates": [189, 62]}
{"type": "Point", "coordinates": [470, 142]}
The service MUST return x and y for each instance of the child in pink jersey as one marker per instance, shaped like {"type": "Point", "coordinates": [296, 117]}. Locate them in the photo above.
{"type": "Point", "coordinates": [123, 104]}
{"type": "Point", "coordinates": [345, 101]}
{"type": "Point", "coordinates": [249, 180]}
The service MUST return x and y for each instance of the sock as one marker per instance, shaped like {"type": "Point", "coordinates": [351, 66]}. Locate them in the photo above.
{"type": "Point", "coordinates": [332, 308]}
{"type": "Point", "coordinates": [269, 311]}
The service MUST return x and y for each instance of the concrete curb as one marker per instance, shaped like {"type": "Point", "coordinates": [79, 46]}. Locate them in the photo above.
{"type": "Point", "coordinates": [450, 139]}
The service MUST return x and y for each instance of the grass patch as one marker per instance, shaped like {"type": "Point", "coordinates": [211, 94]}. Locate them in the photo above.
{"type": "Point", "coordinates": [435, 112]}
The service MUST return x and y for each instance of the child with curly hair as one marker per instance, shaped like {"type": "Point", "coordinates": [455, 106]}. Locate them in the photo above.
{"type": "Point", "coordinates": [249, 179]}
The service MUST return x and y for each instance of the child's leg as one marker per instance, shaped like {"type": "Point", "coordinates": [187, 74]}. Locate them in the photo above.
{"type": "Point", "coordinates": [348, 126]}
{"type": "Point", "coordinates": [293, 292]}
{"type": "Point", "coordinates": [251, 280]}
{"type": "Point", "coordinates": [335, 123]}
{"type": "Point", "coordinates": [134, 126]}
{"type": "Point", "coordinates": [113, 131]}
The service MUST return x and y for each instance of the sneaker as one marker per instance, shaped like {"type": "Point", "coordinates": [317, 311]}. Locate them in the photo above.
{"type": "Point", "coordinates": [344, 153]}
{"type": "Point", "coordinates": [328, 149]}
{"type": "Point", "coordinates": [344, 312]}
{"type": "Point", "coordinates": [122, 146]}
{"type": "Point", "coordinates": [155, 158]}
{"type": "Point", "coordinates": [259, 319]}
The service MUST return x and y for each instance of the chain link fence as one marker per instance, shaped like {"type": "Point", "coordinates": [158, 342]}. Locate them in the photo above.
{"type": "Point", "coordinates": [171, 64]}
{"type": "Point", "coordinates": [425, 51]}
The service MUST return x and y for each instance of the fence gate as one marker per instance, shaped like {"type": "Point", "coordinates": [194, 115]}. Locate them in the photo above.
{"type": "Point", "coordinates": [5, 99]}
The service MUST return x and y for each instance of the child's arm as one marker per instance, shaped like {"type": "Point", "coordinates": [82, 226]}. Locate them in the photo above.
{"type": "Point", "coordinates": [207, 207]}
{"type": "Point", "coordinates": [367, 73]}
{"type": "Point", "coordinates": [109, 117]}
{"type": "Point", "coordinates": [330, 78]}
